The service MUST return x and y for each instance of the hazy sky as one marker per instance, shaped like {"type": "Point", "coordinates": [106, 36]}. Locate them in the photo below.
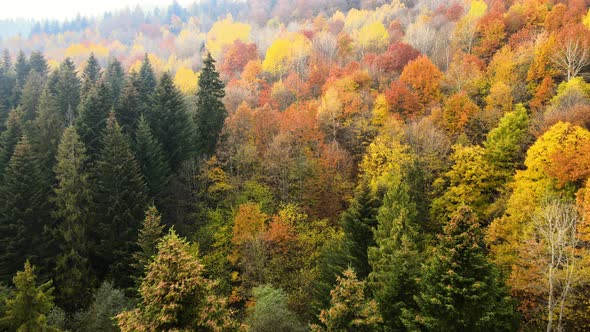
{"type": "Point", "coordinates": [67, 9]}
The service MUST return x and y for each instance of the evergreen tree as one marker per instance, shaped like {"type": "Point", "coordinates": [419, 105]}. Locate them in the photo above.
{"type": "Point", "coordinates": [31, 94]}
{"type": "Point", "coordinates": [27, 310]}
{"type": "Point", "coordinates": [115, 78]}
{"type": "Point", "coordinates": [10, 137]}
{"type": "Point", "coordinates": [210, 112]}
{"type": "Point", "coordinates": [358, 223]}
{"type": "Point", "coordinates": [74, 214]}
{"type": "Point", "coordinates": [38, 63]}
{"type": "Point", "coordinates": [21, 68]}
{"type": "Point", "coordinates": [395, 259]}
{"type": "Point", "coordinates": [21, 203]}
{"type": "Point", "coordinates": [460, 289]}
{"type": "Point", "coordinates": [150, 234]}
{"type": "Point", "coordinates": [48, 128]}
{"type": "Point", "coordinates": [67, 89]}
{"type": "Point", "coordinates": [7, 85]}
{"type": "Point", "coordinates": [150, 156]}
{"type": "Point", "coordinates": [175, 296]}
{"type": "Point", "coordinates": [350, 310]}
{"type": "Point", "coordinates": [170, 122]}
{"type": "Point", "coordinates": [94, 112]}
{"type": "Point", "coordinates": [147, 79]}
{"type": "Point", "coordinates": [129, 107]}
{"type": "Point", "coordinates": [90, 75]}
{"type": "Point", "coordinates": [120, 204]}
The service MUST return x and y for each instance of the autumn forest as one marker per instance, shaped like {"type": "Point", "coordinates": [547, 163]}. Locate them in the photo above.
{"type": "Point", "coordinates": [277, 165]}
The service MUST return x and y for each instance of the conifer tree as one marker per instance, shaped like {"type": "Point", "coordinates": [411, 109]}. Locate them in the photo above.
{"type": "Point", "coordinates": [271, 312]}
{"type": "Point", "coordinates": [149, 235]}
{"type": "Point", "coordinates": [21, 202]}
{"type": "Point", "coordinates": [115, 78]}
{"type": "Point", "coordinates": [10, 137]}
{"type": "Point", "coordinates": [67, 89]}
{"type": "Point", "coordinates": [38, 63]}
{"type": "Point", "coordinates": [7, 82]}
{"type": "Point", "coordinates": [31, 94]}
{"type": "Point", "coordinates": [94, 112]}
{"type": "Point", "coordinates": [460, 289]}
{"type": "Point", "coordinates": [358, 223]}
{"type": "Point", "coordinates": [210, 112]}
{"type": "Point", "coordinates": [395, 259]}
{"type": "Point", "coordinates": [21, 68]}
{"type": "Point", "coordinates": [27, 310]}
{"type": "Point", "coordinates": [150, 156]}
{"type": "Point", "coordinates": [49, 126]}
{"type": "Point", "coordinates": [175, 296]}
{"type": "Point", "coordinates": [90, 75]}
{"type": "Point", "coordinates": [129, 108]}
{"type": "Point", "coordinates": [73, 212]}
{"type": "Point", "coordinates": [147, 79]}
{"type": "Point", "coordinates": [120, 199]}
{"type": "Point", "coordinates": [350, 310]}
{"type": "Point", "coordinates": [170, 122]}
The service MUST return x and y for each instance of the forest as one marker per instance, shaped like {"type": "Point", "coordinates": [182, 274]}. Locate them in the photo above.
{"type": "Point", "coordinates": [276, 165]}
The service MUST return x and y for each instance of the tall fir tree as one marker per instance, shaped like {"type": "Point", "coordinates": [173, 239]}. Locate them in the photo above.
{"type": "Point", "coordinates": [395, 259]}
{"type": "Point", "coordinates": [31, 94]}
{"type": "Point", "coordinates": [90, 75]}
{"type": "Point", "coordinates": [74, 213]}
{"type": "Point", "coordinates": [7, 83]}
{"type": "Point", "coordinates": [21, 68]}
{"type": "Point", "coordinates": [129, 107]}
{"type": "Point", "coordinates": [94, 112]}
{"type": "Point", "coordinates": [460, 289]}
{"type": "Point", "coordinates": [120, 197]}
{"type": "Point", "coordinates": [10, 137]}
{"type": "Point", "coordinates": [150, 234]}
{"type": "Point", "coordinates": [67, 89]}
{"type": "Point", "coordinates": [147, 79]}
{"type": "Point", "coordinates": [115, 78]}
{"type": "Point", "coordinates": [170, 122]}
{"type": "Point", "coordinates": [38, 63]}
{"type": "Point", "coordinates": [22, 201]}
{"type": "Point", "coordinates": [358, 224]}
{"type": "Point", "coordinates": [27, 310]}
{"type": "Point", "coordinates": [210, 112]}
{"type": "Point", "coordinates": [150, 156]}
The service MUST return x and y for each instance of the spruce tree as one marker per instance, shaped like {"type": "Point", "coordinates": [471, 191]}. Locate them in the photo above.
{"type": "Point", "coordinates": [21, 68]}
{"type": "Point", "coordinates": [90, 75]}
{"type": "Point", "coordinates": [67, 89]}
{"type": "Point", "coordinates": [460, 289]}
{"type": "Point", "coordinates": [147, 242]}
{"type": "Point", "coordinates": [74, 214]}
{"type": "Point", "coordinates": [9, 138]}
{"type": "Point", "coordinates": [120, 199]}
{"type": "Point", "coordinates": [31, 94]}
{"type": "Point", "coordinates": [129, 108]}
{"type": "Point", "coordinates": [22, 233]}
{"type": "Point", "coordinates": [115, 78]}
{"type": "Point", "coordinates": [150, 156]}
{"type": "Point", "coordinates": [147, 79]}
{"type": "Point", "coordinates": [175, 296]}
{"type": "Point", "coordinates": [210, 112]}
{"type": "Point", "coordinates": [7, 83]}
{"type": "Point", "coordinates": [170, 122]}
{"type": "Point", "coordinates": [358, 224]}
{"type": "Point", "coordinates": [38, 63]}
{"type": "Point", "coordinates": [27, 310]}
{"type": "Point", "coordinates": [395, 259]}
{"type": "Point", "coordinates": [94, 112]}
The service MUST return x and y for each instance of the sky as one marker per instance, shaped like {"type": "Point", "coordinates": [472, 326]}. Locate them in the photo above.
{"type": "Point", "coordinates": [68, 9]}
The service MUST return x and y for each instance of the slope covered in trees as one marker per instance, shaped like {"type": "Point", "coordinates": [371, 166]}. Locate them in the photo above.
{"type": "Point", "coordinates": [298, 165]}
